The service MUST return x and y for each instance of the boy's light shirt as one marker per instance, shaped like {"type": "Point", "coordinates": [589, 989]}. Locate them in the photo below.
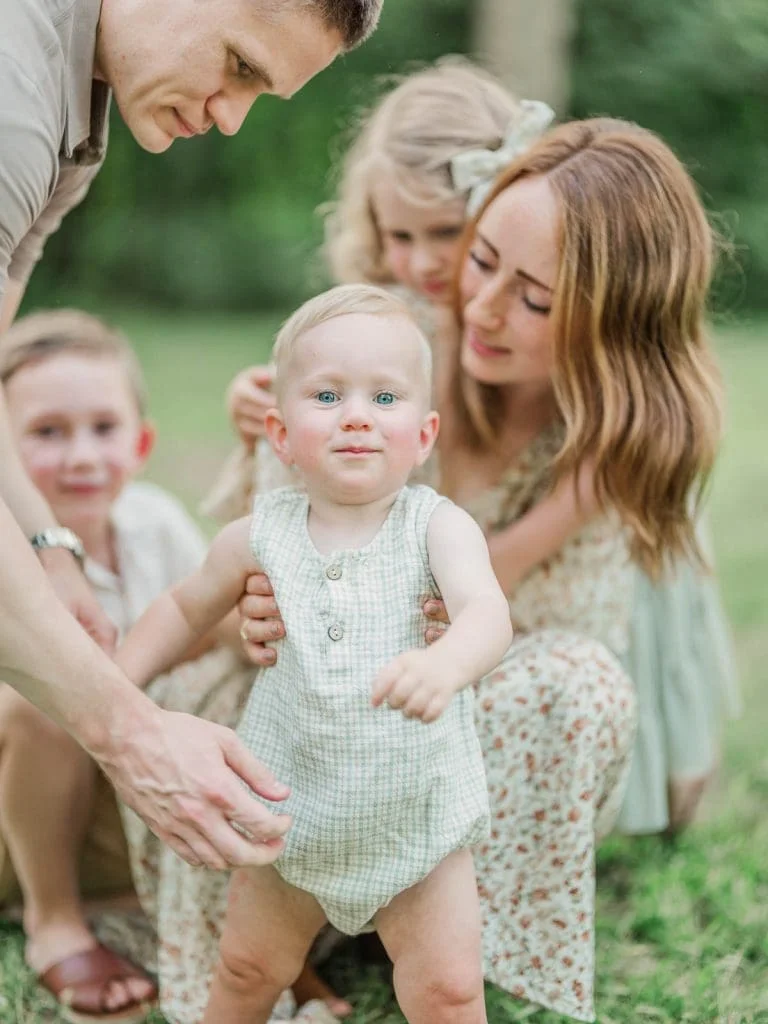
{"type": "Point", "coordinates": [157, 544]}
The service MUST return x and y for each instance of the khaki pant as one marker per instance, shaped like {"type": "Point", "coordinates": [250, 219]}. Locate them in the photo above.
{"type": "Point", "coordinates": [104, 866]}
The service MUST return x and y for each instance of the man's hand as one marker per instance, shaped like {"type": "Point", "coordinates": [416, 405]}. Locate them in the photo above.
{"type": "Point", "coordinates": [417, 683]}
{"type": "Point", "coordinates": [73, 591]}
{"type": "Point", "coordinates": [248, 399]}
{"type": "Point", "coordinates": [182, 776]}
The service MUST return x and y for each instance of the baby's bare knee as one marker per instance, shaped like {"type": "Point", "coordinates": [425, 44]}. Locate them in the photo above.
{"type": "Point", "coordinates": [454, 987]}
{"type": "Point", "coordinates": [245, 973]}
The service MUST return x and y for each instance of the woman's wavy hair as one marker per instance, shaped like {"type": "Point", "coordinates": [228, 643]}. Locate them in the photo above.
{"type": "Point", "coordinates": [635, 378]}
{"type": "Point", "coordinates": [409, 137]}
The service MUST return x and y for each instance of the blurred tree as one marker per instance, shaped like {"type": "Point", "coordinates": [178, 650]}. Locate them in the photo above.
{"type": "Point", "coordinates": [696, 71]}
{"type": "Point", "coordinates": [527, 44]}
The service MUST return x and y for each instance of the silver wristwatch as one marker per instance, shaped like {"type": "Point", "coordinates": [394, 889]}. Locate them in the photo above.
{"type": "Point", "coordinates": [60, 537]}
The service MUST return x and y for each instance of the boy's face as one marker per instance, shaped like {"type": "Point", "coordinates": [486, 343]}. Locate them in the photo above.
{"type": "Point", "coordinates": [354, 408]}
{"type": "Point", "coordinates": [79, 433]}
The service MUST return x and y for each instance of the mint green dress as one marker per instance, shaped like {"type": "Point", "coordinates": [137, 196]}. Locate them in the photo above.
{"type": "Point", "coordinates": [681, 660]}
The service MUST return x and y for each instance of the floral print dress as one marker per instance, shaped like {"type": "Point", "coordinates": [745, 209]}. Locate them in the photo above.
{"type": "Point", "coordinates": [556, 724]}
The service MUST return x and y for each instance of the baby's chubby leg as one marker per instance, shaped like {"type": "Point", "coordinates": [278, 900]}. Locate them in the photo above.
{"type": "Point", "coordinates": [268, 930]}
{"type": "Point", "coordinates": [432, 933]}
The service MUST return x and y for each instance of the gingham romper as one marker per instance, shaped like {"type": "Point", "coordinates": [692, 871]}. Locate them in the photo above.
{"type": "Point", "coordinates": [377, 800]}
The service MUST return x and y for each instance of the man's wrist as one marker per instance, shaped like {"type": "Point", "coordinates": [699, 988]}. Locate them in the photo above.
{"type": "Point", "coordinates": [106, 736]}
{"type": "Point", "coordinates": [58, 539]}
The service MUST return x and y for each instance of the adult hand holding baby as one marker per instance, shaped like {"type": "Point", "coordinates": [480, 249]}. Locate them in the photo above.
{"type": "Point", "coordinates": [261, 622]}
{"type": "Point", "coordinates": [183, 776]}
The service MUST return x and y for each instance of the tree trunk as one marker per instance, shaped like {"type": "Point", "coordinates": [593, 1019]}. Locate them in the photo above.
{"type": "Point", "coordinates": [526, 43]}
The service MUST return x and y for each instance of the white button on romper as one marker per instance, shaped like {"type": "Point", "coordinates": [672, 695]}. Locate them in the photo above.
{"type": "Point", "coordinates": [377, 800]}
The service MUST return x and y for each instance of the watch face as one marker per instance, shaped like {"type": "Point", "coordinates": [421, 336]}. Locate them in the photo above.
{"type": "Point", "coordinates": [59, 537]}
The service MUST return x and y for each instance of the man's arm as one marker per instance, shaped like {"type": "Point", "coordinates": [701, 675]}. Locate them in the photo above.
{"type": "Point", "coordinates": [10, 300]}
{"type": "Point", "coordinates": [181, 774]}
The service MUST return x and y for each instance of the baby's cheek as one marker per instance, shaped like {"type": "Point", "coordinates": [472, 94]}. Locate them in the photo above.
{"type": "Point", "coordinates": [403, 440]}
{"type": "Point", "coordinates": [307, 444]}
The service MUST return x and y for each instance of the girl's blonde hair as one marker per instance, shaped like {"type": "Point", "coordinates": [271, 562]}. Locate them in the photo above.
{"type": "Point", "coordinates": [635, 378]}
{"type": "Point", "coordinates": [343, 300]}
{"type": "Point", "coordinates": [49, 333]}
{"type": "Point", "coordinates": [409, 138]}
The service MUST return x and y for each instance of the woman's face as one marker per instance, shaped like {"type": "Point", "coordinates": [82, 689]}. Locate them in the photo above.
{"type": "Point", "coordinates": [507, 286]}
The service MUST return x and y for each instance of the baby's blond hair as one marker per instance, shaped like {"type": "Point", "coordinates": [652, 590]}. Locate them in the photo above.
{"type": "Point", "coordinates": [342, 300]}
{"type": "Point", "coordinates": [411, 135]}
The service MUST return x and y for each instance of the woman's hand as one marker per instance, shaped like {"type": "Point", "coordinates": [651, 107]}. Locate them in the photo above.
{"type": "Point", "coordinates": [435, 611]}
{"type": "Point", "coordinates": [249, 396]}
{"type": "Point", "coordinates": [260, 620]}
{"type": "Point", "coordinates": [261, 623]}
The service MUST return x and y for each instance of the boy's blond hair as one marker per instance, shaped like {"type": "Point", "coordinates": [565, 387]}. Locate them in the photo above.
{"type": "Point", "coordinates": [409, 137]}
{"type": "Point", "coordinates": [343, 300]}
{"type": "Point", "coordinates": [50, 333]}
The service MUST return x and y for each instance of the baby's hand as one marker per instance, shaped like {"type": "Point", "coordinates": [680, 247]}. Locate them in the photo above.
{"type": "Point", "coordinates": [415, 683]}
{"type": "Point", "coordinates": [248, 399]}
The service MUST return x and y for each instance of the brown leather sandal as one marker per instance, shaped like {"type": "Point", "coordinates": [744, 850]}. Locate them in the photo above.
{"type": "Point", "coordinates": [81, 983]}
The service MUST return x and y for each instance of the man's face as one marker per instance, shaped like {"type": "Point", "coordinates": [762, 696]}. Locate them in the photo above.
{"type": "Point", "coordinates": [180, 67]}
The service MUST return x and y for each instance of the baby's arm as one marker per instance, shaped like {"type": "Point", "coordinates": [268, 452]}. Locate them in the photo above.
{"type": "Point", "coordinates": [523, 545]}
{"type": "Point", "coordinates": [184, 613]}
{"type": "Point", "coordinates": [423, 682]}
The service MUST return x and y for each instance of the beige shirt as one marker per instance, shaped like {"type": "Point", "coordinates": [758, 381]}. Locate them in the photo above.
{"type": "Point", "coordinates": [157, 545]}
{"type": "Point", "coordinates": [53, 122]}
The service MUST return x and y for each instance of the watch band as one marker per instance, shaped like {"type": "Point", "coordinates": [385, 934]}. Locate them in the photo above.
{"type": "Point", "coordinates": [60, 537]}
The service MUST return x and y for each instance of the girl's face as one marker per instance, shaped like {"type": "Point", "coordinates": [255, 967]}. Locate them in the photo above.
{"type": "Point", "coordinates": [420, 243]}
{"type": "Point", "coordinates": [507, 287]}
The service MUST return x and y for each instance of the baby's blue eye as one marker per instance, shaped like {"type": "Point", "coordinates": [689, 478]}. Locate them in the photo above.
{"type": "Point", "coordinates": [385, 398]}
{"type": "Point", "coordinates": [326, 397]}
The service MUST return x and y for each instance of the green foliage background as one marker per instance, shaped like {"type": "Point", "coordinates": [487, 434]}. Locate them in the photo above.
{"type": "Point", "coordinates": [696, 71]}
{"type": "Point", "coordinates": [231, 223]}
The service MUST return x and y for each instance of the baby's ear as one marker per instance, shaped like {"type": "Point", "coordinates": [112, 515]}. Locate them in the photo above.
{"type": "Point", "coordinates": [427, 436]}
{"type": "Point", "coordinates": [277, 436]}
{"type": "Point", "coordinates": [145, 442]}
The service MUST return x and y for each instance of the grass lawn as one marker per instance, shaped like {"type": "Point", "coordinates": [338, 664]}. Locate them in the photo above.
{"type": "Point", "coordinates": [683, 925]}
